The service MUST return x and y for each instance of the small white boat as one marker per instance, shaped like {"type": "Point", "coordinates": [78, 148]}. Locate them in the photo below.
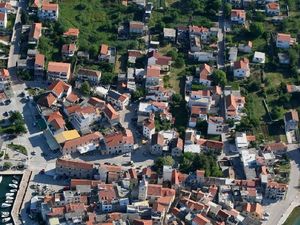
{"type": "Point", "coordinates": [1, 178]}
{"type": "Point", "coordinates": [9, 194]}
{"type": "Point", "coordinates": [9, 198]}
{"type": "Point", "coordinates": [5, 205]}
{"type": "Point", "coordinates": [9, 201]}
{"type": "Point", "coordinates": [6, 219]}
{"type": "Point", "coordinates": [15, 182]}
{"type": "Point", "coordinates": [13, 190]}
{"type": "Point", "coordinates": [16, 177]}
{"type": "Point", "coordinates": [4, 214]}
{"type": "Point", "coordinates": [13, 185]}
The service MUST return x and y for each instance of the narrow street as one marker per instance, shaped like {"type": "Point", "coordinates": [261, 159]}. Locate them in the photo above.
{"type": "Point", "coordinates": [278, 210]}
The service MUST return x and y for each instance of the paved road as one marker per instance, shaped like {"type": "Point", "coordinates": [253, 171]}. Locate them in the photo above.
{"type": "Point", "coordinates": [279, 209]}
{"type": "Point", "coordinates": [221, 40]}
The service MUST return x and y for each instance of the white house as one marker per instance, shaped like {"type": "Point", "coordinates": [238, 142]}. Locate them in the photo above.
{"type": "Point", "coordinates": [3, 20]}
{"type": "Point", "coordinates": [48, 11]}
{"type": "Point", "coordinates": [216, 125]}
{"type": "Point", "coordinates": [148, 128]}
{"type": "Point", "coordinates": [284, 40]}
{"type": "Point", "coordinates": [241, 141]}
{"type": "Point", "coordinates": [259, 57]}
{"type": "Point", "coordinates": [241, 68]}
{"type": "Point", "coordinates": [238, 16]}
{"type": "Point", "coordinates": [204, 75]}
{"type": "Point", "coordinates": [272, 9]}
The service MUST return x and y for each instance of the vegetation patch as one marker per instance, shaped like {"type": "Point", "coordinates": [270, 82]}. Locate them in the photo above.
{"type": "Point", "coordinates": [18, 148]}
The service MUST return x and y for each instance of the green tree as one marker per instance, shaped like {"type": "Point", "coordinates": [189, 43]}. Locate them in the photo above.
{"type": "Point", "coordinates": [163, 161]}
{"type": "Point", "coordinates": [107, 78]}
{"type": "Point", "coordinates": [227, 9]}
{"type": "Point", "coordinates": [219, 77]}
{"type": "Point", "coordinates": [277, 112]}
{"type": "Point", "coordinates": [176, 98]}
{"type": "Point", "coordinates": [179, 62]}
{"type": "Point", "coordinates": [20, 128]}
{"type": "Point", "coordinates": [202, 126]}
{"type": "Point", "coordinates": [173, 54]}
{"type": "Point", "coordinates": [140, 92]}
{"type": "Point", "coordinates": [85, 88]}
{"type": "Point", "coordinates": [15, 116]}
{"type": "Point", "coordinates": [256, 29]}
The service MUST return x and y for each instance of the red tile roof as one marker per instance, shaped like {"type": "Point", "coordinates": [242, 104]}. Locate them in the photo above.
{"type": "Point", "coordinates": [59, 67]}
{"type": "Point", "coordinates": [104, 49]}
{"type": "Point", "coordinates": [153, 71]}
{"type": "Point", "coordinates": [242, 64]}
{"type": "Point", "coordinates": [74, 164]}
{"type": "Point", "coordinates": [238, 13]}
{"type": "Point", "coordinates": [40, 59]}
{"type": "Point", "coordinates": [200, 220]}
{"type": "Point", "coordinates": [50, 6]}
{"type": "Point", "coordinates": [47, 100]}
{"type": "Point", "coordinates": [58, 87]}
{"type": "Point", "coordinates": [110, 112]}
{"type": "Point", "coordinates": [88, 138]}
{"type": "Point", "coordinates": [72, 32]}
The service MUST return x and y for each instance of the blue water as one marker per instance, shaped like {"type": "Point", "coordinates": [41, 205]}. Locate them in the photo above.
{"type": "Point", "coordinates": [297, 222]}
{"type": "Point", "coordinates": [4, 188]}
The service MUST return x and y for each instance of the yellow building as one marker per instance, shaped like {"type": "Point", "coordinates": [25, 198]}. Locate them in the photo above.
{"type": "Point", "coordinates": [66, 136]}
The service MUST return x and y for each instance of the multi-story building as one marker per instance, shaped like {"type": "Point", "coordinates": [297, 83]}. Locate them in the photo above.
{"type": "Point", "coordinates": [59, 71]}
{"type": "Point", "coordinates": [83, 144]}
{"type": "Point", "coordinates": [39, 66]}
{"type": "Point", "coordinates": [92, 76]}
{"type": "Point", "coordinates": [119, 101]}
{"type": "Point", "coordinates": [48, 11]}
{"type": "Point", "coordinates": [275, 190]}
{"type": "Point", "coordinates": [118, 143]}
{"type": "Point", "coordinates": [74, 169]}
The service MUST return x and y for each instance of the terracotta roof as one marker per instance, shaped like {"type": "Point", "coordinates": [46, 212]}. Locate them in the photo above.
{"type": "Point", "coordinates": [59, 67]}
{"type": "Point", "coordinates": [104, 49]}
{"type": "Point", "coordinates": [201, 93]}
{"type": "Point", "coordinates": [200, 173]}
{"type": "Point", "coordinates": [111, 168]}
{"type": "Point", "coordinates": [68, 48]}
{"type": "Point", "coordinates": [57, 211]}
{"type": "Point", "coordinates": [50, 6]}
{"type": "Point", "coordinates": [273, 6]}
{"type": "Point", "coordinates": [136, 25]}
{"type": "Point", "coordinates": [274, 147]}
{"type": "Point", "coordinates": [117, 138]}
{"type": "Point", "coordinates": [107, 192]}
{"type": "Point", "coordinates": [47, 100]}
{"type": "Point", "coordinates": [198, 29]}
{"type": "Point", "coordinates": [292, 115]}
{"type": "Point", "coordinates": [283, 37]}
{"type": "Point", "coordinates": [73, 97]}
{"type": "Point", "coordinates": [110, 112]}
{"type": "Point", "coordinates": [96, 101]}
{"type": "Point", "coordinates": [251, 138]}
{"type": "Point", "coordinates": [276, 185]}
{"type": "Point", "coordinates": [231, 101]}
{"type": "Point", "coordinates": [200, 220]}
{"type": "Point", "coordinates": [89, 73]}
{"type": "Point", "coordinates": [56, 120]}
{"type": "Point", "coordinates": [4, 73]}
{"type": "Point", "coordinates": [93, 183]}
{"type": "Point", "coordinates": [135, 53]}
{"type": "Point", "coordinates": [212, 144]}
{"type": "Point", "coordinates": [197, 110]}
{"type": "Point", "coordinates": [254, 208]}
{"type": "Point", "coordinates": [72, 32]}
{"type": "Point", "coordinates": [132, 173]}
{"type": "Point", "coordinates": [36, 30]}
{"type": "Point", "coordinates": [2, 96]}
{"type": "Point", "coordinates": [40, 59]}
{"type": "Point", "coordinates": [75, 207]}
{"type": "Point", "coordinates": [157, 138]}
{"type": "Point", "coordinates": [155, 190]}
{"type": "Point", "coordinates": [142, 222]}
{"type": "Point", "coordinates": [242, 64]}
{"type": "Point", "coordinates": [205, 71]}
{"type": "Point", "coordinates": [74, 164]}
{"type": "Point", "coordinates": [153, 71]}
{"type": "Point", "coordinates": [72, 109]}
{"type": "Point", "coordinates": [238, 13]}
{"type": "Point", "coordinates": [58, 87]}
{"type": "Point", "coordinates": [149, 124]}
{"type": "Point", "coordinates": [5, 5]}
{"type": "Point", "coordinates": [88, 138]}
{"type": "Point", "coordinates": [2, 16]}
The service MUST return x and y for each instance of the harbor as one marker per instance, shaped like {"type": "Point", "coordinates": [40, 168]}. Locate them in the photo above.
{"type": "Point", "coordinates": [12, 191]}
{"type": "Point", "coordinates": [8, 191]}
